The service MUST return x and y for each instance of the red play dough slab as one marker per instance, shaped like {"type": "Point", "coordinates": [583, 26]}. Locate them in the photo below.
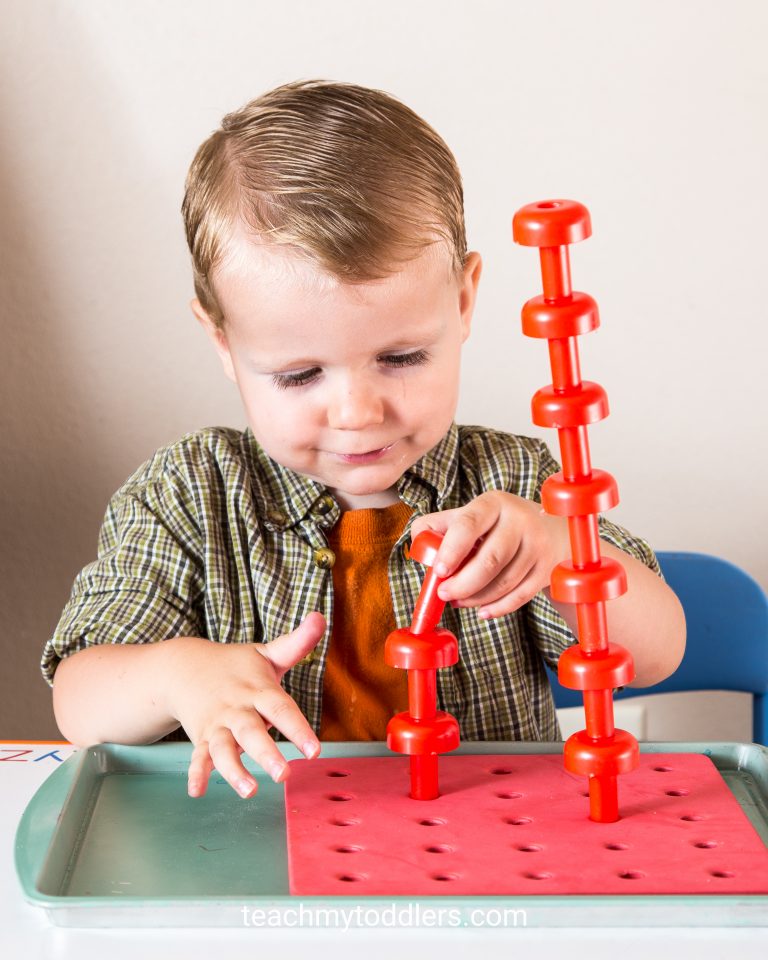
{"type": "Point", "coordinates": [516, 825]}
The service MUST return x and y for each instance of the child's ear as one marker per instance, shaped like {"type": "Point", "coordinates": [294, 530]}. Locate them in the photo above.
{"type": "Point", "coordinates": [217, 337]}
{"type": "Point", "coordinates": [468, 292]}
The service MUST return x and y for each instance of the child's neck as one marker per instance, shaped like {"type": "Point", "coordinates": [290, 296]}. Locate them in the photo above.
{"type": "Point", "coordinates": [366, 501]}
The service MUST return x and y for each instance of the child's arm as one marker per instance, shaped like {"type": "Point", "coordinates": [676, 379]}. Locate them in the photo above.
{"type": "Point", "coordinates": [517, 545]}
{"type": "Point", "coordinates": [226, 696]}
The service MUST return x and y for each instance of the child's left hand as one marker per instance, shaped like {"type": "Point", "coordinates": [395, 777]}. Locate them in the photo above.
{"type": "Point", "coordinates": [515, 545]}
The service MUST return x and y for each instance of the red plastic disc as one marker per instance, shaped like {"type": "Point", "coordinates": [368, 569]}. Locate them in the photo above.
{"type": "Point", "coordinates": [551, 321]}
{"type": "Point", "coordinates": [426, 651]}
{"type": "Point", "coordinates": [579, 407]}
{"type": "Point", "coordinates": [602, 671]}
{"type": "Point", "coordinates": [610, 757]}
{"type": "Point", "coordinates": [437, 735]}
{"type": "Point", "coordinates": [551, 223]}
{"type": "Point", "coordinates": [578, 498]}
{"type": "Point", "coordinates": [604, 582]}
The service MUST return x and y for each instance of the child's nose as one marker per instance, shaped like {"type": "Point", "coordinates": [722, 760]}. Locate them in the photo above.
{"type": "Point", "coordinates": [356, 405]}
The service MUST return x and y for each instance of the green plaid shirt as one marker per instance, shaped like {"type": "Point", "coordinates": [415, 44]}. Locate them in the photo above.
{"type": "Point", "coordinates": [212, 538]}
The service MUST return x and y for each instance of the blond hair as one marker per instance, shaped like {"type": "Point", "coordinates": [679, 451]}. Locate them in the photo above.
{"type": "Point", "coordinates": [348, 177]}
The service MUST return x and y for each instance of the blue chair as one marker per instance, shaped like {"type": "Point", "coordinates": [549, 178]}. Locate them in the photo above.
{"type": "Point", "coordinates": [727, 649]}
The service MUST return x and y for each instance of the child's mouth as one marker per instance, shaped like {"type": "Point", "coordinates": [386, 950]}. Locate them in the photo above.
{"type": "Point", "coordinates": [369, 457]}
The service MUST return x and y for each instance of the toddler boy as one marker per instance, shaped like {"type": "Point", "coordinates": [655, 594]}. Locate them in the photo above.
{"type": "Point", "coordinates": [248, 580]}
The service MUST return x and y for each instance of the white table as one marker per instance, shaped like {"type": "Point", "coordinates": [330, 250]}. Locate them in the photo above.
{"type": "Point", "coordinates": [26, 932]}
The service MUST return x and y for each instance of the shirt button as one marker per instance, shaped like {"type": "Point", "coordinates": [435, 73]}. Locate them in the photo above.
{"type": "Point", "coordinates": [325, 504]}
{"type": "Point", "coordinates": [277, 517]}
{"type": "Point", "coordinates": [324, 558]}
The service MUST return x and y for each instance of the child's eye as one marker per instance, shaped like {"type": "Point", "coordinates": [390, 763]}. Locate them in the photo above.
{"type": "Point", "coordinates": [405, 359]}
{"type": "Point", "coordinates": [285, 380]}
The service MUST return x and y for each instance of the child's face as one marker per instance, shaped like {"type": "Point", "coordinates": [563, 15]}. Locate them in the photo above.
{"type": "Point", "coordinates": [347, 384]}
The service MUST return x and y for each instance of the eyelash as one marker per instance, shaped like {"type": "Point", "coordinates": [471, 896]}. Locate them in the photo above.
{"type": "Point", "coordinates": [284, 381]}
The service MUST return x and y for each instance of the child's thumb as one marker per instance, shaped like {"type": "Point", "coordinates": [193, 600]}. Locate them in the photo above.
{"type": "Point", "coordinates": [287, 650]}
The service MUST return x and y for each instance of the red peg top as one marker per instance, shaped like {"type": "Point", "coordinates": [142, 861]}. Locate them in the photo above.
{"type": "Point", "coordinates": [424, 547]}
{"type": "Point", "coordinates": [551, 223]}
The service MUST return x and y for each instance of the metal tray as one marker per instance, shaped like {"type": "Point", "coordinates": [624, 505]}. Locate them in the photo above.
{"type": "Point", "coordinates": [111, 839]}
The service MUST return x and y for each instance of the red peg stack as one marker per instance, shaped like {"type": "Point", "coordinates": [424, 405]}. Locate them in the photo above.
{"type": "Point", "coordinates": [579, 493]}
{"type": "Point", "coordinates": [424, 731]}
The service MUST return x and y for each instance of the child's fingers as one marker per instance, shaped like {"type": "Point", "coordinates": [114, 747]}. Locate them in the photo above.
{"type": "Point", "coordinates": [259, 745]}
{"type": "Point", "coordinates": [477, 588]}
{"type": "Point", "coordinates": [464, 528]}
{"type": "Point", "coordinates": [200, 768]}
{"type": "Point", "coordinates": [281, 711]}
{"type": "Point", "coordinates": [498, 599]}
{"type": "Point", "coordinates": [225, 752]}
{"type": "Point", "coordinates": [496, 558]}
{"type": "Point", "coordinates": [247, 732]}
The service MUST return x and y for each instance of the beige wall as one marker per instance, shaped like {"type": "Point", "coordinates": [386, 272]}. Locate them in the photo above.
{"type": "Point", "coordinates": [653, 113]}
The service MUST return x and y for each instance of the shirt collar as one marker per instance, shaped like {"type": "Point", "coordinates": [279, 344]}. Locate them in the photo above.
{"type": "Point", "coordinates": [286, 497]}
{"type": "Point", "coordinates": [426, 485]}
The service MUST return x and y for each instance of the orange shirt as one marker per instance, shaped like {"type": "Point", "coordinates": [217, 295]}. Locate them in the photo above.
{"type": "Point", "coordinates": [360, 692]}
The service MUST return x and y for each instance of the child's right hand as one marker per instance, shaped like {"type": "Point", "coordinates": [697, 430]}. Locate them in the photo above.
{"type": "Point", "coordinates": [228, 695]}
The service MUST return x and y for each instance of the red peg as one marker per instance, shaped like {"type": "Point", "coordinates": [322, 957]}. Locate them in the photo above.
{"type": "Point", "coordinates": [423, 731]}
{"type": "Point", "coordinates": [601, 762]}
{"type": "Point", "coordinates": [570, 404]}
{"type": "Point", "coordinates": [429, 607]}
{"type": "Point", "coordinates": [551, 225]}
